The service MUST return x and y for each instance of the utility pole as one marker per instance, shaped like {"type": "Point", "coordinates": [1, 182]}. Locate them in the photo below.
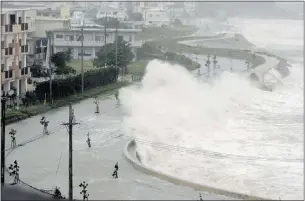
{"type": "Point", "coordinates": [3, 103]}
{"type": "Point", "coordinates": [197, 62]}
{"type": "Point", "coordinates": [116, 46]}
{"type": "Point", "coordinates": [50, 67]}
{"type": "Point", "coordinates": [70, 125]}
{"type": "Point", "coordinates": [105, 30]}
{"type": "Point", "coordinates": [82, 56]}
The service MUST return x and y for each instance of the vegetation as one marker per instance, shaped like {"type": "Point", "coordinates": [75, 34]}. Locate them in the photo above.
{"type": "Point", "coordinates": [137, 67]}
{"type": "Point", "coordinates": [77, 65]}
{"type": "Point", "coordinates": [38, 107]}
{"type": "Point", "coordinates": [152, 51]}
{"type": "Point", "coordinates": [124, 55]}
{"type": "Point", "coordinates": [70, 86]}
{"type": "Point", "coordinates": [60, 60]}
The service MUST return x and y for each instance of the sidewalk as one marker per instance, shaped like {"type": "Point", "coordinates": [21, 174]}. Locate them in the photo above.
{"type": "Point", "coordinates": [20, 191]}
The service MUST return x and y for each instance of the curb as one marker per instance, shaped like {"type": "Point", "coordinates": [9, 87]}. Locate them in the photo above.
{"type": "Point", "coordinates": [136, 163]}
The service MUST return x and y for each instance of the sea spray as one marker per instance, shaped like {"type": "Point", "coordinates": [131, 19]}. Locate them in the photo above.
{"type": "Point", "coordinates": [172, 107]}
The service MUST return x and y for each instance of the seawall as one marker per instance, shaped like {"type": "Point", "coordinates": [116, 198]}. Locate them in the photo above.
{"type": "Point", "coordinates": [132, 157]}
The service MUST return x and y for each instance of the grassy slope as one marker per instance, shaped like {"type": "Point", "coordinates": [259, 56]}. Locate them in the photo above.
{"type": "Point", "coordinates": [76, 64]}
{"type": "Point", "coordinates": [222, 52]}
{"type": "Point", "coordinates": [164, 32]}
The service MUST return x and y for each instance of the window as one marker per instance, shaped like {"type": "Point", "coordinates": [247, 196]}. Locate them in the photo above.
{"type": "Point", "coordinates": [19, 42]}
{"type": "Point", "coordinates": [59, 36]}
{"type": "Point", "coordinates": [2, 44]}
{"type": "Point", "coordinates": [10, 51]}
{"type": "Point", "coordinates": [12, 19]}
{"type": "Point", "coordinates": [97, 38]}
{"type": "Point", "coordinates": [71, 38]}
{"type": "Point", "coordinates": [2, 19]}
{"type": "Point", "coordinates": [19, 20]}
{"type": "Point", "coordinates": [2, 67]}
{"type": "Point", "coordinates": [120, 38]}
{"type": "Point", "coordinates": [87, 52]}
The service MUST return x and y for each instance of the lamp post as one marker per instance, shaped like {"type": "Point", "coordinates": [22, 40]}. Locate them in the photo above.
{"type": "Point", "coordinates": [3, 105]}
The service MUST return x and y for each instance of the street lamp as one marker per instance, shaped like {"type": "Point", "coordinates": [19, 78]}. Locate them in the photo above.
{"type": "Point", "coordinates": [3, 105]}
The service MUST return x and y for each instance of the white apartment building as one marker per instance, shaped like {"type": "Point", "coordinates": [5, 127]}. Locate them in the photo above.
{"type": "Point", "coordinates": [15, 27]}
{"type": "Point", "coordinates": [156, 17]}
{"type": "Point", "coordinates": [94, 39]}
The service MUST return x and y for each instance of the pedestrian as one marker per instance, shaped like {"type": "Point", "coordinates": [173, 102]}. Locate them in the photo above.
{"type": "Point", "coordinates": [96, 101]}
{"type": "Point", "coordinates": [117, 97]}
{"type": "Point", "coordinates": [13, 138]}
{"type": "Point", "coordinates": [45, 123]}
{"type": "Point", "coordinates": [115, 173]}
{"type": "Point", "coordinates": [88, 141]}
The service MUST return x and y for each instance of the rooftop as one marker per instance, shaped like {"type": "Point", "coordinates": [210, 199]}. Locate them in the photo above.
{"type": "Point", "coordinates": [48, 18]}
{"type": "Point", "coordinates": [88, 29]}
{"type": "Point", "coordinates": [8, 7]}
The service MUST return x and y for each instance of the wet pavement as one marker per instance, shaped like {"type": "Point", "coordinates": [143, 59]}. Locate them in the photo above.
{"type": "Point", "coordinates": [44, 162]}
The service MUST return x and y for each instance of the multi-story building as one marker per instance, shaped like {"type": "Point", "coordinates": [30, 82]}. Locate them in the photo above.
{"type": "Point", "coordinates": [15, 26]}
{"type": "Point", "coordinates": [156, 17]}
{"type": "Point", "coordinates": [94, 39]}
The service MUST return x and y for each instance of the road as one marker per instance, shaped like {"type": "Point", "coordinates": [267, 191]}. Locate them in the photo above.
{"type": "Point", "coordinates": [44, 162]}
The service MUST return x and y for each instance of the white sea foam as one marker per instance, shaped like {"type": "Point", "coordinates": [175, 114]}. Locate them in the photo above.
{"type": "Point", "coordinates": [251, 141]}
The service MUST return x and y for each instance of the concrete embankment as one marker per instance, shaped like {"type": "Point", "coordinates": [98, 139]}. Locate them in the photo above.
{"type": "Point", "coordinates": [131, 155]}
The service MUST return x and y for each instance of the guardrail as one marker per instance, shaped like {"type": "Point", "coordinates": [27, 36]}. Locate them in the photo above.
{"type": "Point", "coordinates": [135, 160]}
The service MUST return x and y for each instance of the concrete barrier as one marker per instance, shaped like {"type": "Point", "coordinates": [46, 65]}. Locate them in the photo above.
{"type": "Point", "coordinates": [132, 157]}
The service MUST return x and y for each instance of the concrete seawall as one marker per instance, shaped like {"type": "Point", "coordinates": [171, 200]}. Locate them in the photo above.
{"type": "Point", "coordinates": [132, 157]}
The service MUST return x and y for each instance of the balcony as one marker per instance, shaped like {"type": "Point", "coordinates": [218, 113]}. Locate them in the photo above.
{"type": "Point", "coordinates": [23, 72]}
{"type": "Point", "coordinates": [6, 52]}
{"type": "Point", "coordinates": [16, 28]}
{"type": "Point", "coordinates": [8, 28]}
{"type": "Point", "coordinates": [7, 75]}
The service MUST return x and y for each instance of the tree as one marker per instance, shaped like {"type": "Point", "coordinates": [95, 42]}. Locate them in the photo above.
{"type": "Point", "coordinates": [60, 60]}
{"type": "Point", "coordinates": [124, 57]}
{"type": "Point", "coordinates": [177, 22]}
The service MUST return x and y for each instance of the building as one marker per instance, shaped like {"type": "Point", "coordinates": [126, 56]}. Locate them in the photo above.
{"type": "Point", "coordinates": [112, 12]}
{"type": "Point", "coordinates": [190, 8]}
{"type": "Point", "coordinates": [94, 39]}
{"type": "Point", "coordinates": [37, 40]}
{"type": "Point", "coordinates": [156, 17]}
{"type": "Point", "coordinates": [16, 24]}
